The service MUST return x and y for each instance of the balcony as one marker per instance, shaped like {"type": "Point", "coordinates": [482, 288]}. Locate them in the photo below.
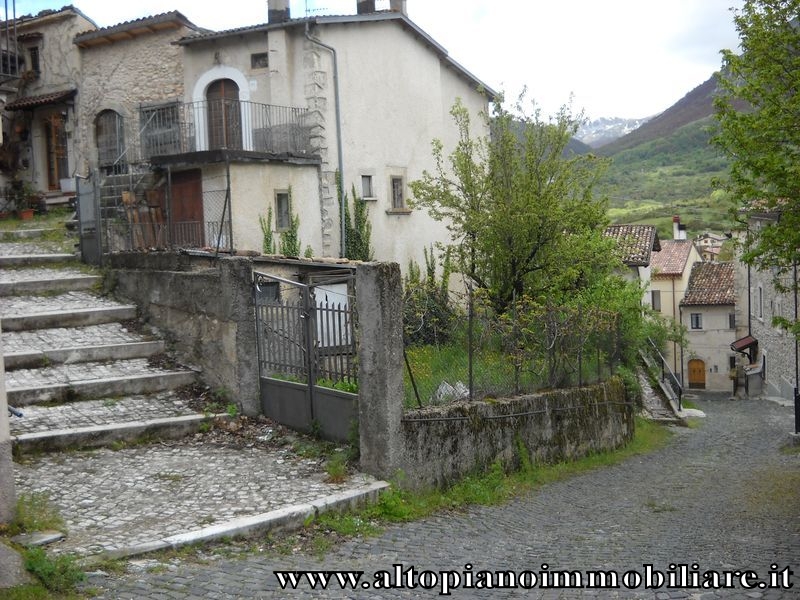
{"type": "Point", "coordinates": [172, 129]}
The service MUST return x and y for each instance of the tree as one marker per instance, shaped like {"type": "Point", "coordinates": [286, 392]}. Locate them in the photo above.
{"type": "Point", "coordinates": [758, 113]}
{"type": "Point", "coordinates": [358, 230]}
{"type": "Point", "coordinates": [519, 207]}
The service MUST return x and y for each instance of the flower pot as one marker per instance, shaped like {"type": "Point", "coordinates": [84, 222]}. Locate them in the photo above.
{"type": "Point", "coordinates": [26, 214]}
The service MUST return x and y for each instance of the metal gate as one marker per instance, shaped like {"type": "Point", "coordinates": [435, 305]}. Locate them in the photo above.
{"type": "Point", "coordinates": [306, 335]}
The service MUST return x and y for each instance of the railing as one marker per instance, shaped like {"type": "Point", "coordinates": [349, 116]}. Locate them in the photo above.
{"type": "Point", "coordinates": [225, 124]}
{"type": "Point", "coordinates": [667, 376]}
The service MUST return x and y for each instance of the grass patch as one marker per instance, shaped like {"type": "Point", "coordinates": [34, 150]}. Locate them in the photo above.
{"type": "Point", "coordinates": [33, 512]}
{"type": "Point", "coordinates": [58, 574]}
{"type": "Point", "coordinates": [33, 591]}
{"type": "Point", "coordinates": [688, 404]}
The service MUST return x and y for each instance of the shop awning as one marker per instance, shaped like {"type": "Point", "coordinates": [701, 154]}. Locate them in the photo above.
{"type": "Point", "coordinates": [744, 343]}
{"type": "Point", "coordinates": [41, 100]}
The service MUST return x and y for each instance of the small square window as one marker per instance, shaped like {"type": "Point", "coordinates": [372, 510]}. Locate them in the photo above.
{"type": "Point", "coordinates": [33, 52]}
{"type": "Point", "coordinates": [259, 61]}
{"type": "Point", "coordinates": [397, 193]}
{"type": "Point", "coordinates": [283, 216]}
{"type": "Point", "coordinates": [696, 320]}
{"type": "Point", "coordinates": [366, 186]}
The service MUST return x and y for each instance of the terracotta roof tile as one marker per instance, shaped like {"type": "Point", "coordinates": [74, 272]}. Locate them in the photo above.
{"type": "Point", "coordinates": [671, 260]}
{"type": "Point", "coordinates": [711, 283]}
{"type": "Point", "coordinates": [41, 100]}
{"type": "Point", "coordinates": [636, 242]}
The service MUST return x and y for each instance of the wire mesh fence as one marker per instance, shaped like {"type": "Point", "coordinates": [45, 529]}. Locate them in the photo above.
{"type": "Point", "coordinates": [460, 348]}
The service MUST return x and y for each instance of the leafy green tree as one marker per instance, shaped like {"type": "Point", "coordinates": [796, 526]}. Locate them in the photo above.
{"type": "Point", "coordinates": [268, 238]}
{"type": "Point", "coordinates": [758, 113]}
{"type": "Point", "coordinates": [520, 208]}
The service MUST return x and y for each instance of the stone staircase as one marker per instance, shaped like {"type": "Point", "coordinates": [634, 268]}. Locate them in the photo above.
{"type": "Point", "coordinates": [80, 367]}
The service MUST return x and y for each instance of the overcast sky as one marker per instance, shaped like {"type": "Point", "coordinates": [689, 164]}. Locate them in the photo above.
{"type": "Point", "coordinates": [618, 58]}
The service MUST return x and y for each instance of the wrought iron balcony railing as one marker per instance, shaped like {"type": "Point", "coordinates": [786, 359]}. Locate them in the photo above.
{"type": "Point", "coordinates": [170, 129]}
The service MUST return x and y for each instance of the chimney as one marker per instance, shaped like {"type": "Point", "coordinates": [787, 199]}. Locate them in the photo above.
{"type": "Point", "coordinates": [678, 230]}
{"type": "Point", "coordinates": [364, 7]}
{"type": "Point", "coordinates": [398, 6]}
{"type": "Point", "coordinates": [278, 11]}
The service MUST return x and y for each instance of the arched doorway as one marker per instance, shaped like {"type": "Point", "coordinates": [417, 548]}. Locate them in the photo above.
{"type": "Point", "coordinates": [110, 137]}
{"type": "Point", "coordinates": [224, 115]}
{"type": "Point", "coordinates": [697, 374]}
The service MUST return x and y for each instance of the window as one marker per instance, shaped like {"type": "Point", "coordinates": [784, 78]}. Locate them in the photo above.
{"type": "Point", "coordinates": [655, 300]}
{"type": "Point", "coordinates": [283, 215]}
{"type": "Point", "coordinates": [259, 60]}
{"type": "Point", "coordinates": [110, 136]}
{"type": "Point", "coordinates": [760, 303]}
{"type": "Point", "coordinates": [397, 193]}
{"type": "Point", "coordinates": [366, 186]}
{"type": "Point", "coordinates": [731, 362]}
{"type": "Point", "coordinates": [732, 321]}
{"type": "Point", "coordinates": [160, 127]}
{"type": "Point", "coordinates": [696, 320]}
{"type": "Point", "coordinates": [268, 291]}
{"type": "Point", "coordinates": [33, 53]}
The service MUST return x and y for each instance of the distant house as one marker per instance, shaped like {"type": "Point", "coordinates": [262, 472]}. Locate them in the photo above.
{"type": "Point", "coordinates": [636, 245]}
{"type": "Point", "coordinates": [768, 353]}
{"type": "Point", "coordinates": [41, 77]}
{"type": "Point", "coordinates": [708, 312]}
{"type": "Point", "coordinates": [709, 245]}
{"type": "Point", "coordinates": [219, 130]}
{"type": "Point", "coordinates": [671, 268]}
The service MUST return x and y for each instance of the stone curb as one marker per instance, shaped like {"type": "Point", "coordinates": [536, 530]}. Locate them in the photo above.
{"type": "Point", "coordinates": [283, 519]}
{"type": "Point", "coordinates": [72, 318]}
{"type": "Point", "coordinates": [117, 386]}
{"type": "Point", "coordinates": [29, 360]}
{"type": "Point", "coordinates": [97, 436]}
{"type": "Point", "coordinates": [18, 234]}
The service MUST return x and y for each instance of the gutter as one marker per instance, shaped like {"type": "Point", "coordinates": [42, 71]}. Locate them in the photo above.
{"type": "Point", "coordinates": [339, 151]}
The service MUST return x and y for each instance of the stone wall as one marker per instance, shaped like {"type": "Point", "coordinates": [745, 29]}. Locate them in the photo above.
{"type": "Point", "coordinates": [443, 444]}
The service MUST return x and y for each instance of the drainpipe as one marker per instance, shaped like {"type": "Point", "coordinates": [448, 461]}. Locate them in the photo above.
{"type": "Point", "coordinates": [332, 50]}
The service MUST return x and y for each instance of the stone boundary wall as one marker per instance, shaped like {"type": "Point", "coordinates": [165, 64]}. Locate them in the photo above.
{"type": "Point", "coordinates": [443, 444]}
{"type": "Point", "coordinates": [438, 445]}
{"type": "Point", "coordinates": [7, 495]}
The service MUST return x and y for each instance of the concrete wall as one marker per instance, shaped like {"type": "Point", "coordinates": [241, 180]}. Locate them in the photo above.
{"type": "Point", "coordinates": [7, 496]}
{"type": "Point", "coordinates": [206, 307]}
{"type": "Point", "coordinates": [435, 446]}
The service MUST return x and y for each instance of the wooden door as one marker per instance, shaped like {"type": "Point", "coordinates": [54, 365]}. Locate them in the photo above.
{"type": "Point", "coordinates": [186, 209]}
{"type": "Point", "coordinates": [224, 115]}
{"type": "Point", "coordinates": [697, 374]}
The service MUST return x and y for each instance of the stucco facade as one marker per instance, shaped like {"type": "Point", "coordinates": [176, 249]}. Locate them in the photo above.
{"type": "Point", "coordinates": [394, 97]}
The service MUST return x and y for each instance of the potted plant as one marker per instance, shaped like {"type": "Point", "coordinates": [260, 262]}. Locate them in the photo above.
{"type": "Point", "coordinates": [26, 198]}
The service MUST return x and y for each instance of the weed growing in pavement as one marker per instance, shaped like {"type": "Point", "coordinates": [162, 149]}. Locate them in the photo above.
{"type": "Point", "coordinates": [58, 574]}
{"type": "Point", "coordinates": [336, 467]}
{"type": "Point", "coordinates": [34, 512]}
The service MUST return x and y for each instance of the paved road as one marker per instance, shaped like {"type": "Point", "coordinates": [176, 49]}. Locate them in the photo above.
{"type": "Point", "coordinates": [722, 496]}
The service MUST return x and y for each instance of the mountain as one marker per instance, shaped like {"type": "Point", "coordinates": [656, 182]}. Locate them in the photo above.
{"type": "Point", "coordinates": [697, 104]}
{"type": "Point", "coordinates": [603, 131]}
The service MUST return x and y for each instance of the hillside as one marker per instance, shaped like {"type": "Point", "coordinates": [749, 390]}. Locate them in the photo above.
{"type": "Point", "coordinates": [694, 106]}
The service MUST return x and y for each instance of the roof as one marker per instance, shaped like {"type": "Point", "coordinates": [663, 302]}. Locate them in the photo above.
{"type": "Point", "coordinates": [636, 242]}
{"type": "Point", "coordinates": [30, 102]}
{"type": "Point", "coordinates": [671, 260]}
{"type": "Point", "coordinates": [381, 16]}
{"type": "Point", "coordinates": [131, 29]}
{"type": "Point", "coordinates": [711, 283]}
{"type": "Point", "coordinates": [43, 16]}
{"type": "Point", "coordinates": [744, 343]}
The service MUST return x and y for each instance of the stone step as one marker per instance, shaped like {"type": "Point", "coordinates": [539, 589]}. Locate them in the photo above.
{"type": "Point", "coordinates": [14, 282]}
{"type": "Point", "coordinates": [32, 359]}
{"type": "Point", "coordinates": [73, 382]}
{"type": "Point", "coordinates": [106, 422]}
{"type": "Point", "coordinates": [11, 235]}
{"type": "Point", "coordinates": [70, 309]}
{"type": "Point", "coordinates": [43, 258]}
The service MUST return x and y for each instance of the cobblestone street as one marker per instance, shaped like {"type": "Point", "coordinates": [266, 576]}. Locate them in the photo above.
{"type": "Point", "coordinates": [722, 495]}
